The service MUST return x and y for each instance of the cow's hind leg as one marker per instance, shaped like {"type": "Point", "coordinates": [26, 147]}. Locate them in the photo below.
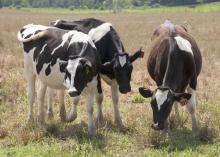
{"type": "Point", "coordinates": [99, 100]}
{"type": "Point", "coordinates": [40, 97]}
{"type": "Point", "coordinates": [50, 103]}
{"type": "Point", "coordinates": [114, 92]}
{"type": "Point", "coordinates": [30, 78]}
{"type": "Point", "coordinates": [191, 106]}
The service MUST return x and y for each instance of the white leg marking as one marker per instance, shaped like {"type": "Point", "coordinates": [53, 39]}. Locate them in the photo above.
{"type": "Point", "coordinates": [62, 106]}
{"type": "Point", "coordinates": [191, 106]}
{"type": "Point", "coordinates": [114, 92]}
{"type": "Point", "coordinates": [40, 97]}
{"type": "Point", "coordinates": [30, 78]}
{"type": "Point", "coordinates": [50, 92]}
{"type": "Point", "coordinates": [99, 100]}
{"type": "Point", "coordinates": [89, 108]}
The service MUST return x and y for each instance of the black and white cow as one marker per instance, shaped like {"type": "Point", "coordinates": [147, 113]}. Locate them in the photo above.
{"type": "Point", "coordinates": [174, 63]}
{"type": "Point", "coordinates": [117, 67]}
{"type": "Point", "coordinates": [60, 59]}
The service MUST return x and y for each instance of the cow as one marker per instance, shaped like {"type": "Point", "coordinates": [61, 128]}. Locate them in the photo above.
{"type": "Point", "coordinates": [60, 59]}
{"type": "Point", "coordinates": [174, 63]}
{"type": "Point", "coordinates": [117, 68]}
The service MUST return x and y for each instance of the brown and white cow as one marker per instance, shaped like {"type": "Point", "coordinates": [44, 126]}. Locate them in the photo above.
{"type": "Point", "coordinates": [174, 63]}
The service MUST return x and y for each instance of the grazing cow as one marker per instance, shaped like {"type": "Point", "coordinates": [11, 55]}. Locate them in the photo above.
{"type": "Point", "coordinates": [60, 59]}
{"type": "Point", "coordinates": [117, 63]}
{"type": "Point", "coordinates": [174, 63]}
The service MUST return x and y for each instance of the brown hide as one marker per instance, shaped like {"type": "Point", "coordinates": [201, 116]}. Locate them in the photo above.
{"type": "Point", "coordinates": [158, 55]}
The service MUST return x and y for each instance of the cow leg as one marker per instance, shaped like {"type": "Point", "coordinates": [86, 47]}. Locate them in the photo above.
{"type": "Point", "coordinates": [73, 112]}
{"type": "Point", "coordinates": [50, 103]}
{"type": "Point", "coordinates": [40, 97]}
{"type": "Point", "coordinates": [89, 108]}
{"type": "Point", "coordinates": [62, 106]}
{"type": "Point", "coordinates": [31, 79]}
{"type": "Point", "coordinates": [191, 106]}
{"type": "Point", "coordinates": [99, 100]}
{"type": "Point", "coordinates": [31, 95]}
{"type": "Point", "coordinates": [177, 114]}
{"type": "Point", "coordinates": [114, 92]}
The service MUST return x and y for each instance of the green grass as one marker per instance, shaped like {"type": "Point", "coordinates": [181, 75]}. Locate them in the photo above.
{"type": "Point", "coordinates": [212, 7]}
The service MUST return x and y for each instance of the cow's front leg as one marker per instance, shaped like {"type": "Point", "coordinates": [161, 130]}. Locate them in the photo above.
{"type": "Point", "coordinates": [114, 92]}
{"type": "Point", "coordinates": [73, 112]}
{"type": "Point", "coordinates": [191, 106]}
{"type": "Point", "coordinates": [50, 103]}
{"type": "Point", "coordinates": [99, 100]}
{"type": "Point", "coordinates": [89, 108]}
{"type": "Point", "coordinates": [40, 97]}
{"type": "Point", "coordinates": [62, 106]}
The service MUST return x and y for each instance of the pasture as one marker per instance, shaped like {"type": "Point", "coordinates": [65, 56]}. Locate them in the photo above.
{"type": "Point", "coordinates": [136, 138]}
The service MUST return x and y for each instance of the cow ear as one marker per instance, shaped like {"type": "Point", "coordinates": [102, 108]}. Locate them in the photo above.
{"type": "Point", "coordinates": [136, 55]}
{"type": "Point", "coordinates": [180, 97]}
{"type": "Point", "coordinates": [107, 67]}
{"type": "Point", "coordinates": [88, 66]}
{"type": "Point", "coordinates": [145, 92]}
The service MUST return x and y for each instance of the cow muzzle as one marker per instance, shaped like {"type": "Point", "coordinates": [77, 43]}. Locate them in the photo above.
{"type": "Point", "coordinates": [73, 92]}
{"type": "Point", "coordinates": [157, 126]}
{"type": "Point", "coordinates": [124, 90]}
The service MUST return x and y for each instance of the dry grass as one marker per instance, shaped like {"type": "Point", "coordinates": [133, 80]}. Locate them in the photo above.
{"type": "Point", "coordinates": [136, 138]}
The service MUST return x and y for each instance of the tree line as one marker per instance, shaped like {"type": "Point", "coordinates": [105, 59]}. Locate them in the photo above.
{"type": "Point", "coordinates": [97, 4]}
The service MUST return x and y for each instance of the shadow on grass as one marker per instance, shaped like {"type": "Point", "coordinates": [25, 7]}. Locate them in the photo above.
{"type": "Point", "coordinates": [178, 139]}
{"type": "Point", "coordinates": [80, 132]}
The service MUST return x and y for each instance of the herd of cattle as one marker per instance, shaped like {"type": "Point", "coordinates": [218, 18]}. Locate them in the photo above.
{"type": "Point", "coordinates": [76, 55]}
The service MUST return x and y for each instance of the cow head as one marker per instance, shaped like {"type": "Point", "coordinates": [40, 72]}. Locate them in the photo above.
{"type": "Point", "coordinates": [78, 73]}
{"type": "Point", "coordinates": [162, 100]}
{"type": "Point", "coordinates": [121, 66]}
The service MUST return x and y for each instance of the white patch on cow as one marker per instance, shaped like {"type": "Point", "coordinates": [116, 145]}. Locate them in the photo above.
{"type": "Point", "coordinates": [32, 28]}
{"type": "Point", "coordinates": [55, 78]}
{"type": "Point", "coordinates": [183, 44]}
{"type": "Point", "coordinates": [42, 50]}
{"type": "Point", "coordinates": [122, 60]}
{"type": "Point", "coordinates": [155, 124]}
{"type": "Point", "coordinates": [97, 33]}
{"type": "Point", "coordinates": [81, 37]}
{"type": "Point", "coordinates": [161, 97]}
{"type": "Point", "coordinates": [71, 68]}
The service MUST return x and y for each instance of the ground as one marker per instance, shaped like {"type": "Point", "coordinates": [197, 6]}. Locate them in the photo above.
{"type": "Point", "coordinates": [136, 138]}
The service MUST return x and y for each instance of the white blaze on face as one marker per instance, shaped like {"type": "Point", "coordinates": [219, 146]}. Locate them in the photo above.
{"type": "Point", "coordinates": [122, 60]}
{"type": "Point", "coordinates": [183, 44]}
{"type": "Point", "coordinates": [97, 33]}
{"type": "Point", "coordinates": [161, 97]}
{"type": "Point", "coordinates": [71, 68]}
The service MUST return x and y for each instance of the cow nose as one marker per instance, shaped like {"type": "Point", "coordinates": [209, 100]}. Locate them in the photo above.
{"type": "Point", "coordinates": [125, 90]}
{"type": "Point", "coordinates": [157, 127]}
{"type": "Point", "coordinates": [73, 92]}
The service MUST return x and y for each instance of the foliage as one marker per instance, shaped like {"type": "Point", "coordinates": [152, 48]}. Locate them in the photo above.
{"type": "Point", "coordinates": [98, 4]}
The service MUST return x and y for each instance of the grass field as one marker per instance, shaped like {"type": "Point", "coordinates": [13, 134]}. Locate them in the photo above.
{"type": "Point", "coordinates": [136, 138]}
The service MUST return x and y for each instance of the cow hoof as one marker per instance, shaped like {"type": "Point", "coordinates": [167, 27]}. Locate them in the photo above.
{"type": "Point", "coordinates": [71, 117]}
{"type": "Point", "coordinates": [50, 115]}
